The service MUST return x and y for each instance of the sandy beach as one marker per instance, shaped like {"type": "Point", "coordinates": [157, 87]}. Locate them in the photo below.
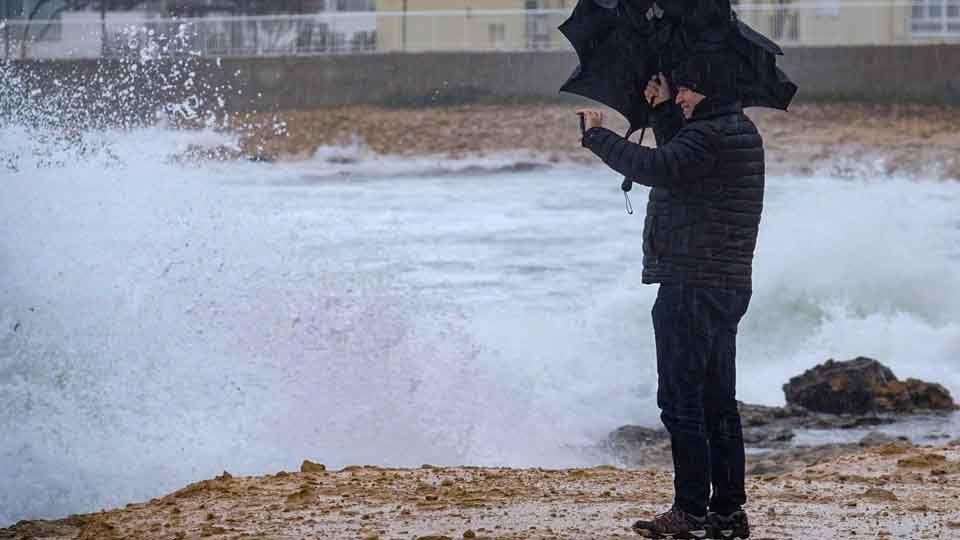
{"type": "Point", "coordinates": [887, 492]}
{"type": "Point", "coordinates": [847, 140]}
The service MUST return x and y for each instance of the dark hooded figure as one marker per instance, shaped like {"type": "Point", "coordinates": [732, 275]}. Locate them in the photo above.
{"type": "Point", "coordinates": [700, 231]}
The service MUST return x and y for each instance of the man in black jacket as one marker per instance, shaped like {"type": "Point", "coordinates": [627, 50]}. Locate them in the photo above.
{"type": "Point", "coordinates": [699, 235]}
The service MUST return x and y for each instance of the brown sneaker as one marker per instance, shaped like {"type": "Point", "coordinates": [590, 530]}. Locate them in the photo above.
{"type": "Point", "coordinates": [673, 523]}
{"type": "Point", "coordinates": [729, 526]}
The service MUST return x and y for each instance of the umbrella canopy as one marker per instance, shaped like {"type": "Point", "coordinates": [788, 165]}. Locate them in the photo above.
{"type": "Point", "coordinates": [621, 44]}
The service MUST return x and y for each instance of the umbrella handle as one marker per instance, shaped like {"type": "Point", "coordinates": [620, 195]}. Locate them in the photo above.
{"type": "Point", "coordinates": [627, 184]}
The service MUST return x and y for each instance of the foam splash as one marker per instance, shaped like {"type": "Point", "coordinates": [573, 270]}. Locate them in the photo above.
{"type": "Point", "coordinates": [54, 113]}
{"type": "Point", "coordinates": [155, 329]}
{"type": "Point", "coordinates": [850, 268]}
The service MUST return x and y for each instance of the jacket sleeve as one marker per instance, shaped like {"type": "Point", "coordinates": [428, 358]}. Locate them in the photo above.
{"type": "Point", "coordinates": [689, 155]}
{"type": "Point", "coordinates": [667, 121]}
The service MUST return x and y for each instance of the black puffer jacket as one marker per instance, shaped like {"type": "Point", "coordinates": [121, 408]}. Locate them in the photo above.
{"type": "Point", "coordinates": [704, 209]}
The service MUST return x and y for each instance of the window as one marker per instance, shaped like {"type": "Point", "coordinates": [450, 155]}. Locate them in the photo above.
{"type": "Point", "coordinates": [356, 5]}
{"type": "Point", "coordinates": [11, 9]}
{"type": "Point", "coordinates": [935, 17]}
{"type": "Point", "coordinates": [48, 30]}
{"type": "Point", "coordinates": [46, 24]}
{"type": "Point", "coordinates": [537, 26]}
{"type": "Point", "coordinates": [498, 34]}
{"type": "Point", "coordinates": [828, 8]}
{"type": "Point", "coordinates": [784, 23]}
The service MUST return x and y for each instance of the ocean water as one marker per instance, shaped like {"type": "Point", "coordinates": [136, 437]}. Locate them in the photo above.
{"type": "Point", "coordinates": [161, 322]}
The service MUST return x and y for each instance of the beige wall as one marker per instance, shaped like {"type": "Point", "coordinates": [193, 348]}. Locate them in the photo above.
{"type": "Point", "coordinates": [848, 22]}
{"type": "Point", "coordinates": [818, 23]}
{"type": "Point", "coordinates": [466, 28]}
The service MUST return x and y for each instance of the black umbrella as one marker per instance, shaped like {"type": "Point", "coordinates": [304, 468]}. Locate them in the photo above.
{"type": "Point", "coordinates": [621, 44]}
{"type": "Point", "coordinates": [615, 58]}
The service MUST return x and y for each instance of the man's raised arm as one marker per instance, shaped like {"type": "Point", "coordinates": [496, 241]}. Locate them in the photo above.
{"type": "Point", "coordinates": [687, 156]}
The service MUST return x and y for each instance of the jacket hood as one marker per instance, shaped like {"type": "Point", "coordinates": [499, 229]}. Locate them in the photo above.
{"type": "Point", "coordinates": [712, 107]}
{"type": "Point", "coordinates": [713, 74]}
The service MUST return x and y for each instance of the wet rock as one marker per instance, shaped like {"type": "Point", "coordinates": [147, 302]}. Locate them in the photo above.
{"type": "Point", "coordinates": [98, 529]}
{"type": "Point", "coordinates": [922, 461]}
{"type": "Point", "coordinates": [929, 396]}
{"type": "Point", "coordinates": [762, 415]}
{"type": "Point", "coordinates": [212, 530]}
{"type": "Point", "coordinates": [783, 460]}
{"type": "Point", "coordinates": [310, 467]}
{"type": "Point", "coordinates": [765, 467]}
{"type": "Point", "coordinates": [302, 497]}
{"type": "Point", "coordinates": [836, 395]}
{"type": "Point", "coordinates": [626, 437]}
{"type": "Point", "coordinates": [633, 439]}
{"type": "Point", "coordinates": [894, 449]}
{"type": "Point", "coordinates": [70, 527]}
{"type": "Point", "coordinates": [796, 417]}
{"type": "Point", "coordinates": [854, 422]}
{"type": "Point", "coordinates": [878, 494]}
{"type": "Point", "coordinates": [862, 386]}
{"type": "Point", "coordinates": [765, 436]}
{"type": "Point", "coordinates": [877, 438]}
{"type": "Point", "coordinates": [638, 446]}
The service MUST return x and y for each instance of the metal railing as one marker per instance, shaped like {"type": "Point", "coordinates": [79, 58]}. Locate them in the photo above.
{"type": "Point", "coordinates": [84, 35]}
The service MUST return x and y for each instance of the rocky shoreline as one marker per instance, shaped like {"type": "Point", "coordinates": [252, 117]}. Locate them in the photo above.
{"type": "Point", "coordinates": [881, 486]}
{"type": "Point", "coordinates": [889, 491]}
{"type": "Point", "coordinates": [860, 393]}
{"type": "Point", "coordinates": [769, 443]}
{"type": "Point", "coordinates": [848, 140]}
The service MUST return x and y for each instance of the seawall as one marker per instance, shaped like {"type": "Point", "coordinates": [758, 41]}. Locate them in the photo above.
{"type": "Point", "coordinates": [910, 73]}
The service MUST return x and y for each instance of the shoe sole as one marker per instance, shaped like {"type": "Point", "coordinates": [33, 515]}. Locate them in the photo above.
{"type": "Point", "coordinates": [692, 535]}
{"type": "Point", "coordinates": [728, 534]}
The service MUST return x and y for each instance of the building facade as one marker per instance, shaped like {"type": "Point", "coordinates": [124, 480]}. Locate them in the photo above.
{"type": "Point", "coordinates": [299, 27]}
{"type": "Point", "coordinates": [853, 22]}
{"type": "Point", "coordinates": [417, 25]}
{"type": "Point", "coordinates": [220, 28]}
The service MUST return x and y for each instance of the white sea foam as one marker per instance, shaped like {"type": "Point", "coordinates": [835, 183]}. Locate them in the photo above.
{"type": "Point", "coordinates": [157, 329]}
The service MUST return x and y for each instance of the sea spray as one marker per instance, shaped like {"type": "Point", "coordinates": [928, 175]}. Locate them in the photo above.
{"type": "Point", "coordinates": [157, 329]}
{"type": "Point", "coordinates": [55, 111]}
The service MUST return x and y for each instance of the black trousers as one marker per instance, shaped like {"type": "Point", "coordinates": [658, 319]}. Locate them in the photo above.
{"type": "Point", "coordinates": [696, 333]}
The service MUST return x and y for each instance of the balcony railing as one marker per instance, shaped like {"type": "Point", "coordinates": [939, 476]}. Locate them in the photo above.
{"type": "Point", "coordinates": [84, 35]}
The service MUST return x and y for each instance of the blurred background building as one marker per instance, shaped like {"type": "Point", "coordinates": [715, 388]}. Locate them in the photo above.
{"type": "Point", "coordinates": [92, 28]}
{"type": "Point", "coordinates": [416, 25]}
{"type": "Point", "coordinates": [853, 22]}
